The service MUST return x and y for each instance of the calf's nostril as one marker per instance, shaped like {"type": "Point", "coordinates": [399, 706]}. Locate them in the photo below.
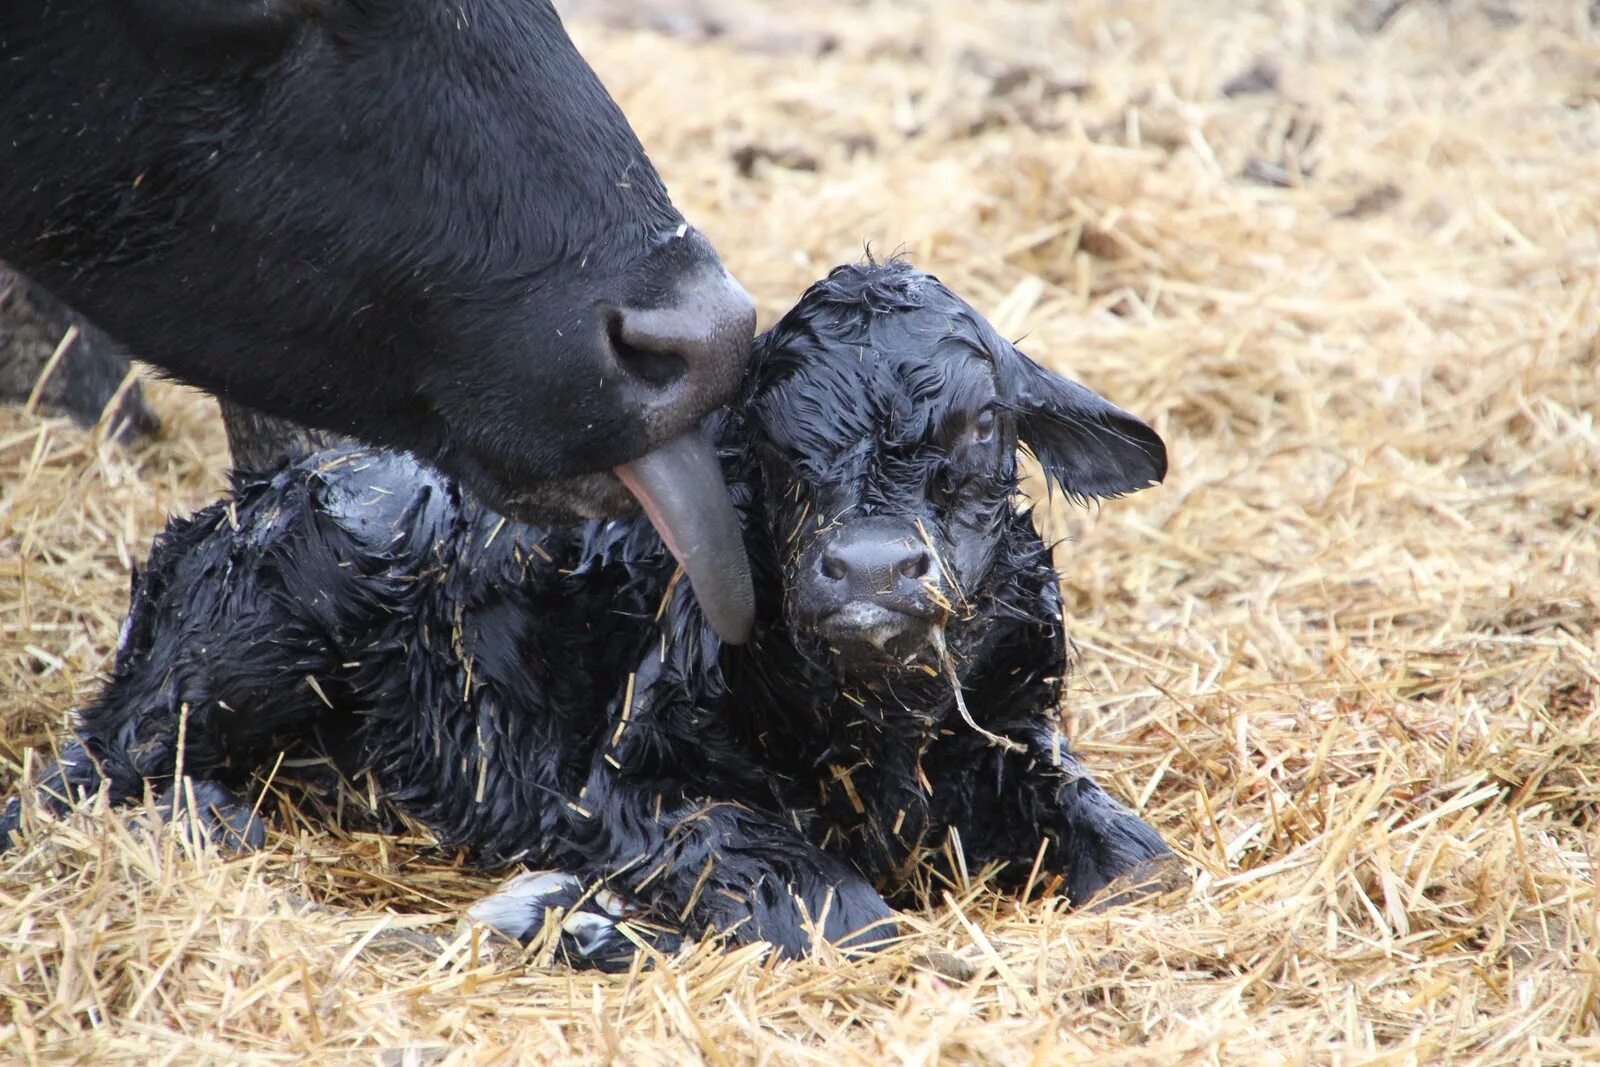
{"type": "Point", "coordinates": [833, 567]}
{"type": "Point", "coordinates": [656, 360]}
{"type": "Point", "coordinates": [866, 560]}
{"type": "Point", "coordinates": [916, 565]}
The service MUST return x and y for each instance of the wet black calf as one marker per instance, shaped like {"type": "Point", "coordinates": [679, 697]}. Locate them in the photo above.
{"type": "Point", "coordinates": [551, 697]}
{"type": "Point", "coordinates": [423, 225]}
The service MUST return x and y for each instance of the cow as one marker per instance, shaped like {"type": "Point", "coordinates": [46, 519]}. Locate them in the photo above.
{"type": "Point", "coordinates": [425, 226]}
{"type": "Point", "coordinates": [552, 697]}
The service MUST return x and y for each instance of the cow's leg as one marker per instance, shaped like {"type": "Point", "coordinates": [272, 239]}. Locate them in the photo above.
{"type": "Point", "coordinates": [58, 788]}
{"type": "Point", "coordinates": [56, 357]}
{"type": "Point", "coordinates": [1011, 803]}
{"type": "Point", "coordinates": [645, 826]}
{"type": "Point", "coordinates": [219, 814]}
{"type": "Point", "coordinates": [258, 442]}
{"type": "Point", "coordinates": [215, 812]}
{"type": "Point", "coordinates": [678, 867]}
{"type": "Point", "coordinates": [715, 867]}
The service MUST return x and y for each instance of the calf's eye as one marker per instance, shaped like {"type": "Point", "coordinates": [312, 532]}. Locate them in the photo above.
{"type": "Point", "coordinates": [983, 427]}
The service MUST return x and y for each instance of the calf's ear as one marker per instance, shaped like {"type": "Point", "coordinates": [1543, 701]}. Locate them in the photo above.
{"type": "Point", "coordinates": [1087, 446]}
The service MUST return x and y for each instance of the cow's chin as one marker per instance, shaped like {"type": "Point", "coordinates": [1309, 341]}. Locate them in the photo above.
{"type": "Point", "coordinates": [541, 502]}
{"type": "Point", "coordinates": [679, 486]}
{"type": "Point", "coordinates": [598, 495]}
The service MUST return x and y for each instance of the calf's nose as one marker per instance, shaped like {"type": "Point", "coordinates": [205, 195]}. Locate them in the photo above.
{"type": "Point", "coordinates": [875, 590]}
{"type": "Point", "coordinates": [874, 566]}
{"type": "Point", "coordinates": [887, 566]}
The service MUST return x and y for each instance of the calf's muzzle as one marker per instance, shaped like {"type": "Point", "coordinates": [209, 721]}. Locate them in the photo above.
{"type": "Point", "coordinates": [875, 589]}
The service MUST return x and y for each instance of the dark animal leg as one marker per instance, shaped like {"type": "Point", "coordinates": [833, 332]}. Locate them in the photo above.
{"type": "Point", "coordinates": [216, 812]}
{"type": "Point", "coordinates": [714, 867]}
{"type": "Point", "coordinates": [87, 376]}
{"type": "Point", "coordinates": [1103, 843]}
{"type": "Point", "coordinates": [721, 869]}
{"type": "Point", "coordinates": [260, 442]}
{"type": "Point", "coordinates": [60, 786]}
{"type": "Point", "coordinates": [220, 815]}
{"type": "Point", "coordinates": [223, 661]}
{"type": "Point", "coordinates": [1011, 802]}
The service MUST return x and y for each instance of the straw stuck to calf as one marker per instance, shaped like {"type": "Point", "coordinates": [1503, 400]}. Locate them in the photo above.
{"type": "Point", "coordinates": [553, 697]}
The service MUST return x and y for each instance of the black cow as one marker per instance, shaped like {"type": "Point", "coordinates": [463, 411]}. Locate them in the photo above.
{"type": "Point", "coordinates": [552, 697]}
{"type": "Point", "coordinates": [424, 225]}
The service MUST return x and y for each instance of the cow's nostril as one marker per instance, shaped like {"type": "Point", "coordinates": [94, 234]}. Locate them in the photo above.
{"type": "Point", "coordinates": [916, 565]}
{"type": "Point", "coordinates": [653, 359]}
{"type": "Point", "coordinates": [681, 333]}
{"type": "Point", "coordinates": [833, 567]}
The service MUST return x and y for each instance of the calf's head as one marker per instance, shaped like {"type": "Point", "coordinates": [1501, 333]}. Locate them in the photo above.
{"type": "Point", "coordinates": [887, 415]}
{"type": "Point", "coordinates": [422, 224]}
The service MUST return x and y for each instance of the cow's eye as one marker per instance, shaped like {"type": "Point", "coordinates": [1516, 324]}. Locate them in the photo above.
{"type": "Point", "coordinates": [983, 427]}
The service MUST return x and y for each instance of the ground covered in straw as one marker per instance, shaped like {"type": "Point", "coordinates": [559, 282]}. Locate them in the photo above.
{"type": "Point", "coordinates": [1344, 255]}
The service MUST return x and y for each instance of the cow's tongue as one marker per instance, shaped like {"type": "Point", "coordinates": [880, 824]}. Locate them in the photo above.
{"type": "Point", "coordinates": [680, 487]}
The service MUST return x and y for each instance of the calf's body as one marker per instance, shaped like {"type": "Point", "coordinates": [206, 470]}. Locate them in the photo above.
{"type": "Point", "coordinates": [552, 697]}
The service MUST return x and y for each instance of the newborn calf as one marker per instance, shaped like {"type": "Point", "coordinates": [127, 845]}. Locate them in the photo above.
{"type": "Point", "coordinates": [553, 697]}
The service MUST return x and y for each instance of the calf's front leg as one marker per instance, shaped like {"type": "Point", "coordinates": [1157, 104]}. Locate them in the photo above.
{"type": "Point", "coordinates": [717, 868]}
{"type": "Point", "coordinates": [668, 820]}
{"type": "Point", "coordinates": [1012, 802]}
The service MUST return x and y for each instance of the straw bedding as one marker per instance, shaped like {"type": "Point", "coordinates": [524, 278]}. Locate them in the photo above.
{"type": "Point", "coordinates": [1344, 255]}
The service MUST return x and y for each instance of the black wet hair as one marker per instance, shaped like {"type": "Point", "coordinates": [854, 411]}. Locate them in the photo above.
{"type": "Point", "coordinates": [552, 696]}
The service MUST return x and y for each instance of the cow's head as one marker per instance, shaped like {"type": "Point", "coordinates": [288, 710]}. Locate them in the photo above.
{"type": "Point", "coordinates": [423, 224]}
{"type": "Point", "coordinates": [888, 414]}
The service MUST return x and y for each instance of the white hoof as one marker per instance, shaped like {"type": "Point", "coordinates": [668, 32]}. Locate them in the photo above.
{"type": "Point", "coordinates": [518, 909]}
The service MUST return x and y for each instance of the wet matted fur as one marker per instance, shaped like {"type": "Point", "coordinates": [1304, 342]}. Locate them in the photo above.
{"type": "Point", "coordinates": [552, 696]}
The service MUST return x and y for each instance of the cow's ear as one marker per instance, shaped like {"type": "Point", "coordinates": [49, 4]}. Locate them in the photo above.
{"type": "Point", "coordinates": [1087, 446]}
{"type": "Point", "coordinates": [221, 28]}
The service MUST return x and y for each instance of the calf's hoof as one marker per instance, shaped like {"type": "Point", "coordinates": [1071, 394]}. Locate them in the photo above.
{"type": "Point", "coordinates": [589, 920]}
{"type": "Point", "coordinates": [1105, 842]}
